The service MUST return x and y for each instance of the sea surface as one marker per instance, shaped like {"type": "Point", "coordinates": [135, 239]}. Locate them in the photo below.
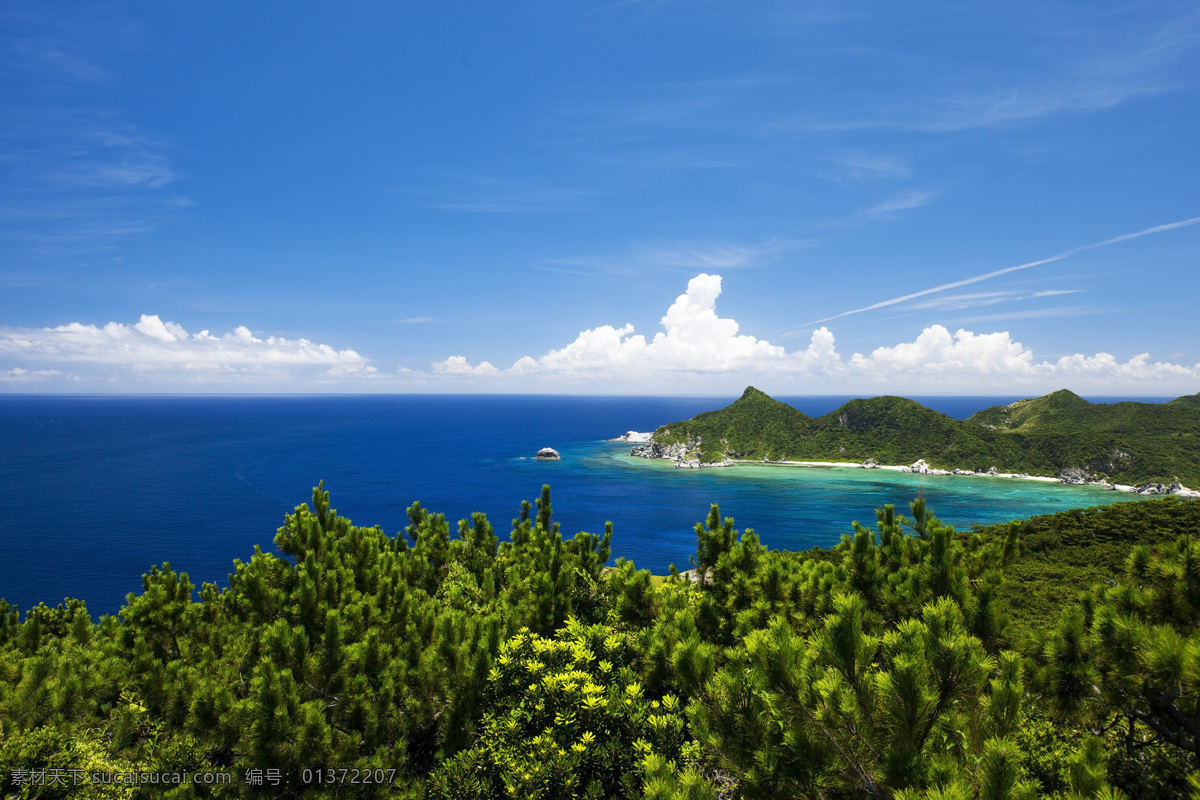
{"type": "Point", "coordinates": [99, 488]}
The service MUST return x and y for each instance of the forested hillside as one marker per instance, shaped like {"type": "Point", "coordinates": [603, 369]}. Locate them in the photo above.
{"type": "Point", "coordinates": [1124, 442]}
{"type": "Point", "coordinates": [910, 661]}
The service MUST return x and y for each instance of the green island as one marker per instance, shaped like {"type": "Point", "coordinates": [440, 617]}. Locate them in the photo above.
{"type": "Point", "coordinates": [1057, 657]}
{"type": "Point", "coordinates": [1060, 436]}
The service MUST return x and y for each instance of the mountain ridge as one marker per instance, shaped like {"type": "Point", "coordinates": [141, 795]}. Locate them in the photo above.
{"type": "Point", "coordinates": [1056, 435]}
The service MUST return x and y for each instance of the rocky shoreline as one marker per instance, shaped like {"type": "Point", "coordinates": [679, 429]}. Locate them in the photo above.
{"type": "Point", "coordinates": [633, 437]}
{"type": "Point", "coordinates": [681, 454]}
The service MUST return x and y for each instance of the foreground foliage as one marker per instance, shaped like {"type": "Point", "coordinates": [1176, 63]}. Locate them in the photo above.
{"type": "Point", "coordinates": [461, 666]}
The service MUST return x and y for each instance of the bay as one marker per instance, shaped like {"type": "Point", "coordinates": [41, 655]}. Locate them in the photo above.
{"type": "Point", "coordinates": [99, 488]}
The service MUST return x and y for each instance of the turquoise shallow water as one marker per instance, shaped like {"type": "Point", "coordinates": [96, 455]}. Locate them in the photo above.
{"type": "Point", "coordinates": [99, 489]}
{"type": "Point", "coordinates": [800, 496]}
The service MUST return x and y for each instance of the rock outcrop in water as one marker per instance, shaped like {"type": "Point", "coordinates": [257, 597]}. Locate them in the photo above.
{"type": "Point", "coordinates": [547, 454]}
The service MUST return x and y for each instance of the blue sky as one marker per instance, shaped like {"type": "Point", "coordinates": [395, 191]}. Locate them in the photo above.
{"type": "Point", "coordinates": [609, 197]}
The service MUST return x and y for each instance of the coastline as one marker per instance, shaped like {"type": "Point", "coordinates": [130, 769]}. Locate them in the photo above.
{"type": "Point", "coordinates": [919, 467]}
{"type": "Point", "coordinates": [938, 473]}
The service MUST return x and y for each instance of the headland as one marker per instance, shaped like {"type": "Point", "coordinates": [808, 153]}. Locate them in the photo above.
{"type": "Point", "coordinates": [1142, 448]}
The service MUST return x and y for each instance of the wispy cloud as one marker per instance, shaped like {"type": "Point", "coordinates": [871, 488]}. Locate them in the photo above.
{"type": "Point", "coordinates": [642, 5]}
{"type": "Point", "coordinates": [962, 111]}
{"type": "Point", "coordinates": [76, 179]}
{"type": "Point", "coordinates": [512, 204]}
{"type": "Point", "coordinates": [77, 174]}
{"type": "Point", "coordinates": [19, 375]}
{"type": "Point", "coordinates": [956, 302]}
{"type": "Point", "coordinates": [108, 154]}
{"type": "Point", "coordinates": [643, 115]}
{"type": "Point", "coordinates": [493, 195]}
{"type": "Point", "coordinates": [1124, 68]}
{"type": "Point", "coordinates": [961, 302]}
{"type": "Point", "coordinates": [682, 255]}
{"type": "Point", "coordinates": [857, 167]}
{"type": "Point", "coordinates": [901, 202]}
{"type": "Point", "coordinates": [973, 109]}
{"type": "Point", "coordinates": [57, 225]}
{"type": "Point", "coordinates": [1055, 312]}
{"type": "Point", "coordinates": [1170, 226]}
{"type": "Point", "coordinates": [1169, 42]}
{"type": "Point", "coordinates": [46, 55]}
{"type": "Point", "coordinates": [967, 111]}
{"type": "Point", "coordinates": [89, 148]}
{"type": "Point", "coordinates": [1057, 292]}
{"type": "Point", "coordinates": [583, 273]}
{"type": "Point", "coordinates": [717, 256]}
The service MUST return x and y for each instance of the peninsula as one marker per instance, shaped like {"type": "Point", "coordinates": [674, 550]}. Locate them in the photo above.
{"type": "Point", "coordinates": [1061, 436]}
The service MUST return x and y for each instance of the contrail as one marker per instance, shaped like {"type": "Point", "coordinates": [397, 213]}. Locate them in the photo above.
{"type": "Point", "coordinates": [1170, 226]}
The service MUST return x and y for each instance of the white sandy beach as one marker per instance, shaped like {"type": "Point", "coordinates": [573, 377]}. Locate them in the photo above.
{"type": "Point", "coordinates": [910, 468]}
{"type": "Point", "coordinates": [913, 468]}
{"type": "Point", "coordinates": [919, 467]}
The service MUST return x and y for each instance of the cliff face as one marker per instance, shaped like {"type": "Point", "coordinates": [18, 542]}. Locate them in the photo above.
{"type": "Point", "coordinates": [675, 452]}
{"type": "Point", "coordinates": [1054, 435]}
{"type": "Point", "coordinates": [686, 455]}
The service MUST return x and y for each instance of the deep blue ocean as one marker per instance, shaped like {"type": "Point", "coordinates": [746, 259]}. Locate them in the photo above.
{"type": "Point", "coordinates": [97, 489]}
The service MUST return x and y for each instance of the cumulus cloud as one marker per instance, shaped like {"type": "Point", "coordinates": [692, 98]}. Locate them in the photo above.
{"type": "Point", "coordinates": [154, 346]}
{"type": "Point", "coordinates": [1136, 370]}
{"type": "Point", "coordinates": [693, 339]}
{"type": "Point", "coordinates": [698, 350]}
{"type": "Point", "coordinates": [155, 328]}
{"type": "Point", "coordinates": [695, 350]}
{"type": "Point", "coordinates": [458, 365]}
{"type": "Point", "coordinates": [936, 352]}
{"type": "Point", "coordinates": [997, 360]}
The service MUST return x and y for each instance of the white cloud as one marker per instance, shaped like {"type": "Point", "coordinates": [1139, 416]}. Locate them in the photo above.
{"type": "Point", "coordinates": [901, 202]}
{"type": "Point", "coordinates": [936, 352]}
{"type": "Point", "coordinates": [715, 256]}
{"type": "Point", "coordinates": [1049, 312]}
{"type": "Point", "coordinates": [694, 342]}
{"type": "Point", "coordinates": [167, 353]}
{"type": "Point", "coordinates": [699, 351]}
{"type": "Point", "coordinates": [1170, 226]}
{"type": "Point", "coordinates": [695, 351]}
{"type": "Point", "coordinates": [1057, 292]}
{"type": "Point", "coordinates": [970, 300]}
{"type": "Point", "coordinates": [967, 362]}
{"type": "Point", "coordinates": [1120, 67]}
{"type": "Point", "coordinates": [1133, 372]}
{"type": "Point", "coordinates": [18, 375]}
{"type": "Point", "coordinates": [692, 255]}
{"type": "Point", "coordinates": [694, 339]}
{"type": "Point", "coordinates": [858, 166]}
{"type": "Point", "coordinates": [458, 365]}
{"type": "Point", "coordinates": [155, 328]}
